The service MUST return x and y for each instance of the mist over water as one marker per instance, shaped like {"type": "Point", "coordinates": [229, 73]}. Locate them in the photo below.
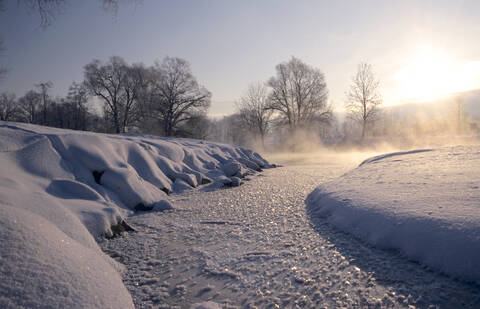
{"type": "Point", "coordinates": [449, 122]}
{"type": "Point", "coordinates": [311, 153]}
{"type": "Point", "coordinates": [320, 157]}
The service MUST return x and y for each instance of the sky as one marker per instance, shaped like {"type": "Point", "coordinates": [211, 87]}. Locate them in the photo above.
{"type": "Point", "coordinates": [418, 49]}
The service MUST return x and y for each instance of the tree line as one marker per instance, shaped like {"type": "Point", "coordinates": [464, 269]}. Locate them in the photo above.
{"type": "Point", "coordinates": [294, 103]}
{"type": "Point", "coordinates": [163, 99]}
{"type": "Point", "coordinates": [166, 99]}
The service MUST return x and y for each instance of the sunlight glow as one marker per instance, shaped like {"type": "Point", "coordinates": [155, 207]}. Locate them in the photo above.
{"type": "Point", "coordinates": [430, 74]}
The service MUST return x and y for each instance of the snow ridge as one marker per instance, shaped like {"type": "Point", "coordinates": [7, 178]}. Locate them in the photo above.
{"type": "Point", "coordinates": [62, 189]}
{"type": "Point", "coordinates": [393, 154]}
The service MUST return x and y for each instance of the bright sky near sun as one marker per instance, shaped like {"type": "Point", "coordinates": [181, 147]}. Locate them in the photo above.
{"type": "Point", "coordinates": [419, 49]}
{"type": "Point", "coordinates": [429, 74]}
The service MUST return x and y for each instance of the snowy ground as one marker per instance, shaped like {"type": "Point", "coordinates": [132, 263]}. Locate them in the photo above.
{"type": "Point", "coordinates": [424, 203]}
{"type": "Point", "coordinates": [255, 245]}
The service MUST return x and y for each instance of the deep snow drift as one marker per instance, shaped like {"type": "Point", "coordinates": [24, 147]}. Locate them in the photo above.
{"type": "Point", "coordinates": [61, 189]}
{"type": "Point", "coordinates": [424, 203]}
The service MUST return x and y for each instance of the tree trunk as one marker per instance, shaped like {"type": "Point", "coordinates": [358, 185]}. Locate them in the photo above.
{"type": "Point", "coordinates": [44, 114]}
{"type": "Point", "coordinates": [364, 125]}
{"type": "Point", "coordinates": [115, 121]}
{"type": "Point", "coordinates": [44, 110]}
{"type": "Point", "coordinates": [167, 128]}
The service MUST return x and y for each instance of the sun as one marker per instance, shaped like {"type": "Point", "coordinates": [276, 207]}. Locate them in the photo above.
{"type": "Point", "coordinates": [429, 74]}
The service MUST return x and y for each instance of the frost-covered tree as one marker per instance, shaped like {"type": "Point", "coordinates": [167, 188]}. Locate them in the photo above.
{"type": "Point", "coordinates": [254, 110]}
{"type": "Point", "coordinates": [299, 94]}
{"type": "Point", "coordinates": [76, 102]}
{"type": "Point", "coordinates": [363, 97]}
{"type": "Point", "coordinates": [8, 107]}
{"type": "Point", "coordinates": [134, 85]}
{"type": "Point", "coordinates": [174, 95]}
{"type": "Point", "coordinates": [29, 106]}
{"type": "Point", "coordinates": [118, 85]}
{"type": "Point", "coordinates": [106, 82]}
{"type": "Point", "coordinates": [44, 89]}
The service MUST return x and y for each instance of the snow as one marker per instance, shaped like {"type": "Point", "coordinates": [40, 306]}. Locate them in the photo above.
{"type": "Point", "coordinates": [252, 245]}
{"type": "Point", "coordinates": [62, 190]}
{"type": "Point", "coordinates": [423, 203]}
{"type": "Point", "coordinates": [41, 266]}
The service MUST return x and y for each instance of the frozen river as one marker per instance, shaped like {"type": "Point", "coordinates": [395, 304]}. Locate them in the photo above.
{"type": "Point", "coordinates": [256, 246]}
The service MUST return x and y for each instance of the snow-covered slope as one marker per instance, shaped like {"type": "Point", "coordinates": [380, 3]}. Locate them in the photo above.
{"type": "Point", "coordinates": [61, 189]}
{"type": "Point", "coordinates": [424, 203]}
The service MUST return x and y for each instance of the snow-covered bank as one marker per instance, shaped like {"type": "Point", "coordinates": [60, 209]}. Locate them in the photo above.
{"type": "Point", "coordinates": [424, 203]}
{"type": "Point", "coordinates": [61, 189]}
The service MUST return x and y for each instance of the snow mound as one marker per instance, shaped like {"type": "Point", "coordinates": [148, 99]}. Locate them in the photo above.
{"type": "Point", "coordinates": [62, 189]}
{"type": "Point", "coordinates": [41, 267]}
{"type": "Point", "coordinates": [424, 203]}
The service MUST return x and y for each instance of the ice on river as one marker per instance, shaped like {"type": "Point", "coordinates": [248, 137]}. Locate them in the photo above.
{"type": "Point", "coordinates": [424, 203]}
{"type": "Point", "coordinates": [255, 246]}
{"type": "Point", "coordinates": [61, 189]}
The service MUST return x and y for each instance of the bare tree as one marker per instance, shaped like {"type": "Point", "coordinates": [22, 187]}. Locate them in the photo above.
{"type": "Point", "coordinates": [254, 110]}
{"type": "Point", "coordinates": [29, 106]}
{"type": "Point", "coordinates": [49, 9]}
{"type": "Point", "coordinates": [44, 89]}
{"type": "Point", "coordinates": [111, 83]}
{"type": "Point", "coordinates": [77, 99]}
{"type": "Point", "coordinates": [134, 85]}
{"type": "Point", "coordinates": [8, 107]}
{"type": "Point", "coordinates": [176, 97]}
{"type": "Point", "coordinates": [299, 94]}
{"type": "Point", "coordinates": [106, 81]}
{"type": "Point", "coordinates": [119, 86]}
{"type": "Point", "coordinates": [363, 98]}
